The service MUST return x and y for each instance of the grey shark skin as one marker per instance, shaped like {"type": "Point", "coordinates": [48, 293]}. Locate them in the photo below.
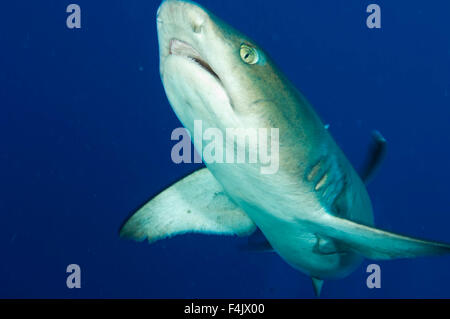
{"type": "Point", "coordinates": [314, 211]}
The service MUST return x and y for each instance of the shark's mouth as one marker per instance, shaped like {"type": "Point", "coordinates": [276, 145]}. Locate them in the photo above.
{"type": "Point", "coordinates": [183, 49]}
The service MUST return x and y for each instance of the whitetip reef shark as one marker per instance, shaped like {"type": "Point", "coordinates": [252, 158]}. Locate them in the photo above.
{"type": "Point", "coordinates": [314, 211]}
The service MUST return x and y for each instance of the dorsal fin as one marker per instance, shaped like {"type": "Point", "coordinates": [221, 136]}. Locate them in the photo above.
{"type": "Point", "coordinates": [317, 285]}
{"type": "Point", "coordinates": [377, 152]}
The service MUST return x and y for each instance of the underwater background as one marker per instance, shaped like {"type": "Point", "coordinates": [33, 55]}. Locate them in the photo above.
{"type": "Point", "coordinates": [85, 132]}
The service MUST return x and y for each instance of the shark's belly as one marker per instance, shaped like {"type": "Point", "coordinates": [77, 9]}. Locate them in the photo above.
{"type": "Point", "coordinates": [307, 252]}
{"type": "Point", "coordinates": [279, 215]}
{"type": "Point", "coordinates": [279, 203]}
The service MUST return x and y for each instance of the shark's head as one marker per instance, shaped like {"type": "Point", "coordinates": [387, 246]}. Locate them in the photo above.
{"type": "Point", "coordinates": [212, 72]}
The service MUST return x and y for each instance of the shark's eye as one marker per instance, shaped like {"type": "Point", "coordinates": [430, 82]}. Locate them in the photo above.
{"type": "Point", "coordinates": [249, 54]}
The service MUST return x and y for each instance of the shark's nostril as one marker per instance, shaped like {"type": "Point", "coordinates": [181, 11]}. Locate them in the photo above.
{"type": "Point", "coordinates": [197, 28]}
{"type": "Point", "coordinates": [197, 18]}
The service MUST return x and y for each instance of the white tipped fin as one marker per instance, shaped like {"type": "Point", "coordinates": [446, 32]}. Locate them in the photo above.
{"type": "Point", "coordinates": [197, 204]}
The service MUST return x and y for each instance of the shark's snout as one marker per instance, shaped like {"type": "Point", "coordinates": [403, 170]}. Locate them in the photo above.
{"type": "Point", "coordinates": [185, 14]}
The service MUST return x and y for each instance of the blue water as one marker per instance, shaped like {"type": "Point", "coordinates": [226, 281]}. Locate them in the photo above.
{"type": "Point", "coordinates": [85, 140]}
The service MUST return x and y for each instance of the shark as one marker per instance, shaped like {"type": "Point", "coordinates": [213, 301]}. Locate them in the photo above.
{"type": "Point", "coordinates": [314, 211]}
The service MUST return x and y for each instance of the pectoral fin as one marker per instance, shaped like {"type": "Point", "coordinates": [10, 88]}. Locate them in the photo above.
{"type": "Point", "coordinates": [197, 204]}
{"type": "Point", "coordinates": [374, 243]}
